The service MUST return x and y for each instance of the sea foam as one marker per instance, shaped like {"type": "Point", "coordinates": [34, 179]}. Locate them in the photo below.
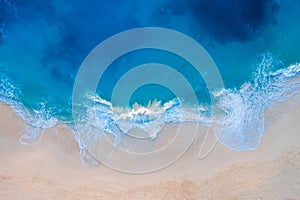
{"type": "Point", "coordinates": [250, 110]}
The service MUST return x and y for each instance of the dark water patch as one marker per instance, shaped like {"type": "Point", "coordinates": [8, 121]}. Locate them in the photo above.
{"type": "Point", "coordinates": [230, 20]}
{"type": "Point", "coordinates": [7, 14]}
{"type": "Point", "coordinates": [81, 28]}
{"type": "Point", "coordinates": [31, 10]}
{"type": "Point", "coordinates": [7, 11]}
{"type": "Point", "coordinates": [256, 13]}
{"type": "Point", "coordinates": [234, 20]}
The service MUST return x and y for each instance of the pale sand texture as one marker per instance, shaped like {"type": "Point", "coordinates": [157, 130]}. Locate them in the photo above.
{"type": "Point", "coordinates": [52, 169]}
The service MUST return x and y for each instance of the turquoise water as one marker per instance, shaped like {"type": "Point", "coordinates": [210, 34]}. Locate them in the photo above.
{"type": "Point", "coordinates": [43, 44]}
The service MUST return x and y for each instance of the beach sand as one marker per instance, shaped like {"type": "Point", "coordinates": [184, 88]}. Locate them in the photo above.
{"type": "Point", "coordinates": [51, 169]}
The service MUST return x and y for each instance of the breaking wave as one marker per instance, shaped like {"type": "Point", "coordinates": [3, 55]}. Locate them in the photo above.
{"type": "Point", "coordinates": [37, 119]}
{"type": "Point", "coordinates": [250, 109]}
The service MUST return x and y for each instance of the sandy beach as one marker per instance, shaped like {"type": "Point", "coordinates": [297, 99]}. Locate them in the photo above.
{"type": "Point", "coordinates": [150, 100]}
{"type": "Point", "coordinates": [51, 169]}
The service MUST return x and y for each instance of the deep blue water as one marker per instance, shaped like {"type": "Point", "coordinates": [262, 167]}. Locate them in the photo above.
{"type": "Point", "coordinates": [43, 43]}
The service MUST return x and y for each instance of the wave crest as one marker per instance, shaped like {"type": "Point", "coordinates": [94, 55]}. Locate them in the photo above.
{"type": "Point", "coordinates": [250, 110]}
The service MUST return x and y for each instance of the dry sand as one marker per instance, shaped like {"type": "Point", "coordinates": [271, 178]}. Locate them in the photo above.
{"type": "Point", "coordinates": [52, 169]}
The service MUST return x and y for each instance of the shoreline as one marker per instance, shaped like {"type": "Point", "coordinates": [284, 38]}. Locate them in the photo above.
{"type": "Point", "coordinates": [52, 168]}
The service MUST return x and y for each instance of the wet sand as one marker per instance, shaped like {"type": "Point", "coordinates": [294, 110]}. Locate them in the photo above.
{"type": "Point", "coordinates": [51, 169]}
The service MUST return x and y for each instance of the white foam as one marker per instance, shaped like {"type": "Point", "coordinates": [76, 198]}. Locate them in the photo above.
{"type": "Point", "coordinates": [38, 120]}
{"type": "Point", "coordinates": [245, 109]}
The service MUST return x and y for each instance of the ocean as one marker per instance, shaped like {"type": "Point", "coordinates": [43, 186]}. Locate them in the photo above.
{"type": "Point", "coordinates": [254, 44]}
